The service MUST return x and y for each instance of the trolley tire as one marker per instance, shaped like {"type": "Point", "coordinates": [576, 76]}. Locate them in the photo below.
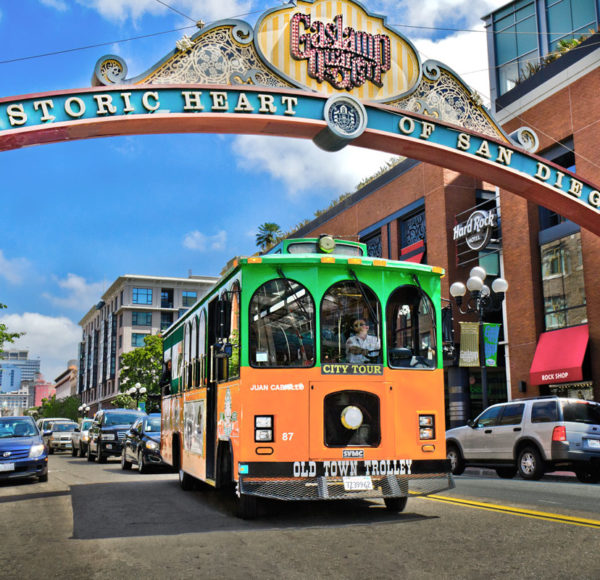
{"type": "Point", "coordinates": [395, 504]}
{"type": "Point", "coordinates": [186, 481]}
{"type": "Point", "coordinates": [246, 507]}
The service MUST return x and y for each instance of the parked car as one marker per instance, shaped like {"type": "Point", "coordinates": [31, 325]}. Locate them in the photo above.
{"type": "Point", "coordinates": [22, 449]}
{"type": "Point", "coordinates": [80, 438]}
{"type": "Point", "coordinates": [531, 437]}
{"type": "Point", "coordinates": [107, 432]}
{"type": "Point", "coordinates": [47, 425]}
{"type": "Point", "coordinates": [142, 444]}
{"type": "Point", "coordinates": [60, 436]}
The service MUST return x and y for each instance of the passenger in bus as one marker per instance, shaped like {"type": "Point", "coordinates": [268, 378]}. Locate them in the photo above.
{"type": "Point", "coordinates": [165, 379]}
{"type": "Point", "coordinates": [361, 345]}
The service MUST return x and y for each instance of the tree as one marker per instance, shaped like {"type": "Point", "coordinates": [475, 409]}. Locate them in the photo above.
{"type": "Point", "coordinates": [7, 336]}
{"type": "Point", "coordinates": [144, 366]}
{"type": "Point", "coordinates": [268, 234]}
{"type": "Point", "coordinates": [68, 408]}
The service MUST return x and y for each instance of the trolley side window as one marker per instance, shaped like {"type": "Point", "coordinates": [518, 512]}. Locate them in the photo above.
{"type": "Point", "coordinates": [350, 324]}
{"type": "Point", "coordinates": [411, 332]}
{"type": "Point", "coordinates": [281, 324]}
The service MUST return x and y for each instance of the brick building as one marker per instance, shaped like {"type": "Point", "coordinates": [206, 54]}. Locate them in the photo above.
{"type": "Point", "coordinates": [550, 319]}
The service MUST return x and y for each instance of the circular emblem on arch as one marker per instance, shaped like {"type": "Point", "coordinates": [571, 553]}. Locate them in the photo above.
{"type": "Point", "coordinates": [345, 116]}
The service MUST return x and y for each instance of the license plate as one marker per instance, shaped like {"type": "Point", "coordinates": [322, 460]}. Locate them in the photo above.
{"type": "Point", "coordinates": [358, 483]}
{"type": "Point", "coordinates": [593, 443]}
{"type": "Point", "coordinates": [7, 466]}
{"type": "Point", "coordinates": [109, 446]}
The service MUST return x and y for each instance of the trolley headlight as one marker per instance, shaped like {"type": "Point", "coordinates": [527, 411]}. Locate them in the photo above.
{"type": "Point", "coordinates": [426, 427]}
{"type": "Point", "coordinates": [263, 428]}
{"type": "Point", "coordinates": [352, 417]}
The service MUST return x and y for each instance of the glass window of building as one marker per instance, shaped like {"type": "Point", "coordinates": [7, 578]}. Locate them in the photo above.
{"type": "Point", "coordinates": [562, 283]}
{"type": "Point", "coordinates": [373, 243]}
{"type": "Point", "coordinates": [188, 298]}
{"type": "Point", "coordinates": [350, 324]}
{"type": "Point", "coordinates": [142, 295]}
{"type": "Point", "coordinates": [569, 19]}
{"type": "Point", "coordinates": [141, 318]}
{"type": "Point", "coordinates": [516, 47]}
{"type": "Point", "coordinates": [166, 298]}
{"type": "Point", "coordinates": [137, 339]}
{"type": "Point", "coordinates": [411, 329]}
{"type": "Point", "coordinates": [166, 319]}
{"type": "Point", "coordinates": [412, 234]}
{"type": "Point", "coordinates": [282, 325]}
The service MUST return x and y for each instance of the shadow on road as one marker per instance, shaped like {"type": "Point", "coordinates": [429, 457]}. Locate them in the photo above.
{"type": "Point", "coordinates": [116, 510]}
{"type": "Point", "coordinates": [28, 496]}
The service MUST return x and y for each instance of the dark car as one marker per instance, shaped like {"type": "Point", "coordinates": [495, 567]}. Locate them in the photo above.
{"type": "Point", "coordinates": [108, 431]}
{"type": "Point", "coordinates": [22, 449]}
{"type": "Point", "coordinates": [142, 444]}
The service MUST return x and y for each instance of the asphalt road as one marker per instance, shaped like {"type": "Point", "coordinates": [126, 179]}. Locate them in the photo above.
{"type": "Point", "coordinates": [96, 521]}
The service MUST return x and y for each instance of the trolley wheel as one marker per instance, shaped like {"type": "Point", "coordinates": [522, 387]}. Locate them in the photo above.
{"type": "Point", "coordinates": [395, 504]}
{"type": "Point", "coordinates": [186, 481]}
{"type": "Point", "coordinates": [246, 507]}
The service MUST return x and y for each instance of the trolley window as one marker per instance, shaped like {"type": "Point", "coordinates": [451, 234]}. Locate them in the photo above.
{"type": "Point", "coordinates": [282, 322]}
{"type": "Point", "coordinates": [411, 337]}
{"type": "Point", "coordinates": [350, 324]}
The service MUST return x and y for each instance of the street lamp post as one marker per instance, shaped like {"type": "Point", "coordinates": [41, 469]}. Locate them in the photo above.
{"type": "Point", "coordinates": [480, 300]}
{"type": "Point", "coordinates": [137, 391]}
{"type": "Point", "coordinates": [83, 410]}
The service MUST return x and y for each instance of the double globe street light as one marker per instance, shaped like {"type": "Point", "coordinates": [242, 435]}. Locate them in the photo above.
{"type": "Point", "coordinates": [480, 301]}
{"type": "Point", "coordinates": [83, 410]}
{"type": "Point", "coordinates": [136, 391]}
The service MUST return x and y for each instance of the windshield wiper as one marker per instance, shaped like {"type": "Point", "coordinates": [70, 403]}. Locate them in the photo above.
{"type": "Point", "coordinates": [362, 291]}
{"type": "Point", "coordinates": [293, 294]}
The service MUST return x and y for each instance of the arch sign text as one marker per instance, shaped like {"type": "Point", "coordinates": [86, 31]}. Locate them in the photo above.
{"type": "Point", "coordinates": [324, 70]}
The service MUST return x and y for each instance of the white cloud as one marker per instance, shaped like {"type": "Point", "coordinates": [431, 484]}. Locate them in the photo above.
{"type": "Point", "coordinates": [80, 295]}
{"type": "Point", "coordinates": [200, 242]}
{"type": "Point", "coordinates": [53, 340]}
{"type": "Point", "coordinates": [301, 165]}
{"type": "Point", "coordinates": [13, 270]}
{"type": "Point", "coordinates": [207, 10]}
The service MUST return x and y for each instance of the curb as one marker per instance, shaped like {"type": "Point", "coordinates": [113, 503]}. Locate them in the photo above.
{"type": "Point", "coordinates": [565, 476]}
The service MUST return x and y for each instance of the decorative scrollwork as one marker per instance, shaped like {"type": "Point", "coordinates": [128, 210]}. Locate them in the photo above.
{"type": "Point", "coordinates": [109, 70]}
{"type": "Point", "coordinates": [526, 138]}
{"type": "Point", "coordinates": [431, 70]}
{"type": "Point", "coordinates": [243, 33]}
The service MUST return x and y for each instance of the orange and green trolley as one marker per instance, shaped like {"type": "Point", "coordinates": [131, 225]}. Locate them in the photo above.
{"type": "Point", "coordinates": [312, 372]}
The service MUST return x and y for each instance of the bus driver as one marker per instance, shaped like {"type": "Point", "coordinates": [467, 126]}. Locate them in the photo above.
{"type": "Point", "coordinates": [361, 343]}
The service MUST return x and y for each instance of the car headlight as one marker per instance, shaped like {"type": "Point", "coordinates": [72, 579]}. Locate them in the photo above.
{"type": "Point", "coordinates": [152, 445]}
{"type": "Point", "coordinates": [108, 437]}
{"type": "Point", "coordinates": [36, 451]}
{"type": "Point", "coordinates": [85, 438]}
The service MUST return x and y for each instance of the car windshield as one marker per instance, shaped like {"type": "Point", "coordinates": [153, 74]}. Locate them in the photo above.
{"type": "Point", "coordinates": [16, 427]}
{"type": "Point", "coordinates": [121, 419]}
{"type": "Point", "coordinates": [152, 425]}
{"type": "Point", "coordinates": [64, 426]}
{"type": "Point", "coordinates": [583, 412]}
{"type": "Point", "coordinates": [86, 424]}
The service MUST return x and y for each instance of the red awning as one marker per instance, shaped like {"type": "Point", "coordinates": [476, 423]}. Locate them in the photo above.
{"type": "Point", "coordinates": [414, 252]}
{"type": "Point", "coordinates": [559, 356]}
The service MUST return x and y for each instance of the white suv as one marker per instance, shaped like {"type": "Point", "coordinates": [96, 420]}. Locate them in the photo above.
{"type": "Point", "coordinates": [531, 436]}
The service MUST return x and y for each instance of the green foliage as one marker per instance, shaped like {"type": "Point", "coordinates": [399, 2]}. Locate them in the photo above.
{"type": "Point", "coordinates": [62, 408]}
{"type": "Point", "coordinates": [6, 336]}
{"type": "Point", "coordinates": [142, 365]}
{"type": "Point", "coordinates": [268, 234]}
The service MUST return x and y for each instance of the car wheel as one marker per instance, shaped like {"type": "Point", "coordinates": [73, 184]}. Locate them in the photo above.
{"type": "Point", "coordinates": [125, 465]}
{"type": "Point", "coordinates": [51, 450]}
{"type": "Point", "coordinates": [100, 457]}
{"type": "Point", "coordinates": [142, 468]}
{"type": "Point", "coordinates": [506, 472]}
{"type": "Point", "coordinates": [530, 464]}
{"type": "Point", "coordinates": [90, 457]}
{"type": "Point", "coordinates": [395, 504]}
{"type": "Point", "coordinates": [43, 478]}
{"type": "Point", "coordinates": [74, 452]}
{"type": "Point", "coordinates": [186, 481]}
{"type": "Point", "coordinates": [587, 476]}
{"type": "Point", "coordinates": [457, 463]}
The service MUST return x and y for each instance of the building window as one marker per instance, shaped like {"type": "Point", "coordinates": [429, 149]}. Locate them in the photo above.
{"type": "Point", "coordinates": [142, 295]}
{"type": "Point", "coordinates": [120, 341]}
{"type": "Point", "coordinates": [562, 16]}
{"type": "Point", "coordinates": [141, 318]}
{"type": "Point", "coordinates": [516, 44]}
{"type": "Point", "coordinates": [562, 283]}
{"type": "Point", "coordinates": [188, 299]}
{"type": "Point", "coordinates": [166, 319]}
{"type": "Point", "coordinates": [137, 340]}
{"type": "Point", "coordinates": [166, 298]}
{"type": "Point", "coordinates": [412, 235]}
{"type": "Point", "coordinates": [373, 243]}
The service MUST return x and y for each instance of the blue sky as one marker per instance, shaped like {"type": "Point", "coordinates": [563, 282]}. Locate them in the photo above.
{"type": "Point", "coordinates": [75, 216]}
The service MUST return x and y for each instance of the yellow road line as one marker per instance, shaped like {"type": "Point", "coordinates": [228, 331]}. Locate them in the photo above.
{"type": "Point", "coordinates": [517, 511]}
